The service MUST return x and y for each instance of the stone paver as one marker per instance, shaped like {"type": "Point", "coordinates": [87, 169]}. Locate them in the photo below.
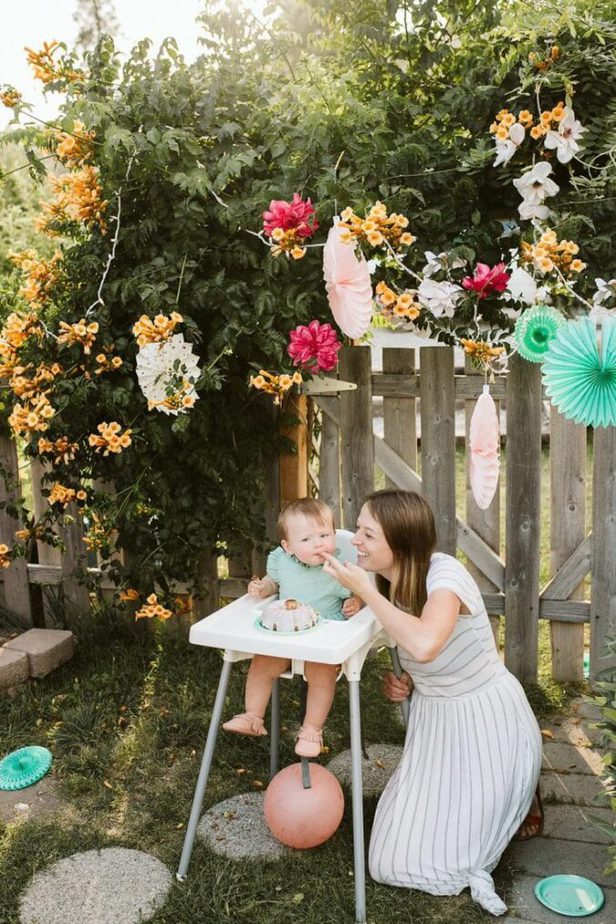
{"type": "Point", "coordinates": [46, 649]}
{"type": "Point", "coordinates": [111, 886]}
{"type": "Point", "coordinates": [236, 828]}
{"type": "Point", "coordinates": [566, 758]}
{"type": "Point", "coordinates": [376, 771]}
{"type": "Point", "coordinates": [526, 909]}
{"type": "Point", "coordinates": [578, 788]}
{"type": "Point", "coordinates": [573, 822]}
{"type": "Point", "coordinates": [547, 857]}
{"type": "Point", "coordinates": [573, 729]}
{"type": "Point", "coordinates": [13, 668]}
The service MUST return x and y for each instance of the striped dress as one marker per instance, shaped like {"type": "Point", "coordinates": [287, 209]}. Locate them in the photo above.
{"type": "Point", "coordinates": [470, 765]}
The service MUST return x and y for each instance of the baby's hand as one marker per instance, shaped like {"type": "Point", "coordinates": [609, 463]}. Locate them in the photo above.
{"type": "Point", "coordinates": [256, 587]}
{"type": "Point", "coordinates": [351, 606]}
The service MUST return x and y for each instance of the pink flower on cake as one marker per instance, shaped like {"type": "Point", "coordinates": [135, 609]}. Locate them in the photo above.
{"type": "Point", "coordinates": [487, 280]}
{"type": "Point", "coordinates": [314, 347]}
{"type": "Point", "coordinates": [294, 215]}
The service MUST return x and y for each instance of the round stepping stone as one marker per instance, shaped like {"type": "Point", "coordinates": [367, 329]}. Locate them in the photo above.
{"type": "Point", "coordinates": [110, 886]}
{"type": "Point", "coordinates": [236, 829]}
{"type": "Point", "coordinates": [376, 771]}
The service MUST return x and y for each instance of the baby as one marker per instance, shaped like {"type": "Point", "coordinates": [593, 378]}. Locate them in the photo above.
{"type": "Point", "coordinates": [295, 569]}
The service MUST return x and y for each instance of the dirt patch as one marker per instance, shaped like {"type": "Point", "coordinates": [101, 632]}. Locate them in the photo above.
{"type": "Point", "coordinates": [37, 801]}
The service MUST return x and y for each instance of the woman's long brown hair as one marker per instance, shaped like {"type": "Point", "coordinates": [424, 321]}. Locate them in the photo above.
{"type": "Point", "coordinates": [407, 522]}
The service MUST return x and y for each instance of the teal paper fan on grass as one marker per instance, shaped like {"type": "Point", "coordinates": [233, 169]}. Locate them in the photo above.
{"type": "Point", "coordinates": [579, 375]}
{"type": "Point", "coordinates": [534, 331]}
{"type": "Point", "coordinates": [24, 767]}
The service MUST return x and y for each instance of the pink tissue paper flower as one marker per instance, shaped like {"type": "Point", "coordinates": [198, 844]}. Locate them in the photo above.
{"type": "Point", "coordinates": [486, 280]}
{"type": "Point", "coordinates": [290, 215]}
{"type": "Point", "coordinates": [314, 347]}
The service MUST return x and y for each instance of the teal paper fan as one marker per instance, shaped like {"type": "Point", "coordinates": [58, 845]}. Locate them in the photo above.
{"type": "Point", "coordinates": [534, 331]}
{"type": "Point", "coordinates": [24, 767]}
{"type": "Point", "coordinates": [579, 376]}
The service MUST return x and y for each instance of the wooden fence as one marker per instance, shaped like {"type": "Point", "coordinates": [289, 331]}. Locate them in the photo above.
{"type": "Point", "coordinates": [336, 459]}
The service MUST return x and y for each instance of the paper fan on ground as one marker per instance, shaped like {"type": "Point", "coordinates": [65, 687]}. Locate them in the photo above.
{"type": "Point", "coordinates": [347, 280]}
{"type": "Point", "coordinates": [484, 442]}
{"type": "Point", "coordinates": [167, 372]}
{"type": "Point", "coordinates": [579, 376]}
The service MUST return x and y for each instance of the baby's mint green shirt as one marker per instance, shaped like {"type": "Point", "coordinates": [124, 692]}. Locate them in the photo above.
{"type": "Point", "coordinates": [307, 583]}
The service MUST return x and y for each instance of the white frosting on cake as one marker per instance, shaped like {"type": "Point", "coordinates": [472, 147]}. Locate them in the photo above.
{"type": "Point", "coordinates": [288, 616]}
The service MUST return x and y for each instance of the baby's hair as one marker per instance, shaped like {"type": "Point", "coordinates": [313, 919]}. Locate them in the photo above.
{"type": "Point", "coordinates": [308, 506]}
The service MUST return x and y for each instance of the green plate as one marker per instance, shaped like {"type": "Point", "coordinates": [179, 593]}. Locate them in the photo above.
{"type": "Point", "coordinates": [574, 896]}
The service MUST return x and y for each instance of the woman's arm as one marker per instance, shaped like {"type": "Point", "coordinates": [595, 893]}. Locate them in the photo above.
{"type": "Point", "coordinates": [423, 637]}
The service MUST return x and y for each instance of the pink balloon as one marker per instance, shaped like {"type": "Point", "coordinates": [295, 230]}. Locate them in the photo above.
{"type": "Point", "coordinates": [347, 280]}
{"type": "Point", "coordinates": [484, 444]}
{"type": "Point", "coordinates": [303, 818]}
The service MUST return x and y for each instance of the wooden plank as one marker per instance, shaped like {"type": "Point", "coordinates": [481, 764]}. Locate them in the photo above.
{"type": "Point", "coordinates": [570, 573]}
{"type": "Point", "coordinates": [294, 464]}
{"type": "Point", "coordinates": [565, 610]}
{"type": "Point", "coordinates": [356, 446]}
{"type": "Point", "coordinates": [438, 441]}
{"type": "Point", "coordinates": [523, 508]}
{"type": "Point", "coordinates": [208, 599]}
{"type": "Point", "coordinates": [73, 567]}
{"type": "Point", "coordinates": [16, 588]}
{"type": "Point", "coordinates": [408, 386]}
{"type": "Point", "coordinates": [467, 540]}
{"type": "Point", "coordinates": [399, 414]}
{"type": "Point", "coordinates": [486, 523]}
{"type": "Point", "coordinates": [329, 461]}
{"type": "Point", "coordinates": [568, 529]}
{"type": "Point", "coordinates": [603, 581]}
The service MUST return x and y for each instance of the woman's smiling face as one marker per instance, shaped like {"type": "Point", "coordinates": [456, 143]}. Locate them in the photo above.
{"type": "Point", "coordinates": [373, 552]}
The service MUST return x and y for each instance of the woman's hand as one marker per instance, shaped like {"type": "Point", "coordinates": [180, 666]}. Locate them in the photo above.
{"type": "Point", "coordinates": [397, 689]}
{"type": "Point", "coordinates": [351, 576]}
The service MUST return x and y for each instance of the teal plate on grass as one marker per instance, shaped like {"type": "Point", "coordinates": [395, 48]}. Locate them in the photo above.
{"type": "Point", "coordinates": [574, 896]}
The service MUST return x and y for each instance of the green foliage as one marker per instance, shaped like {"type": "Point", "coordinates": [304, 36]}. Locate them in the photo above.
{"type": "Point", "coordinates": [606, 701]}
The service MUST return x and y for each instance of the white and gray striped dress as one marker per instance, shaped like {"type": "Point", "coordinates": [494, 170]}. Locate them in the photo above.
{"type": "Point", "coordinates": [470, 765]}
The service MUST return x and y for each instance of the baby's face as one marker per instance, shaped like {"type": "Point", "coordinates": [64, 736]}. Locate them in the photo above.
{"type": "Point", "coordinates": [309, 539]}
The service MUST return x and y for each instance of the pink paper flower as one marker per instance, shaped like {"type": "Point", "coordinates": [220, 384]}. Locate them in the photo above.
{"type": "Point", "coordinates": [486, 280]}
{"type": "Point", "coordinates": [290, 216]}
{"type": "Point", "coordinates": [314, 347]}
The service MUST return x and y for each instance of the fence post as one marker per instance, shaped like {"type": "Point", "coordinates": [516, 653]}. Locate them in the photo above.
{"type": "Point", "coordinates": [329, 457]}
{"type": "Point", "coordinates": [399, 414]}
{"type": "Point", "coordinates": [294, 465]}
{"type": "Point", "coordinates": [568, 529]}
{"type": "Point", "coordinates": [74, 559]}
{"type": "Point", "coordinates": [438, 440]}
{"type": "Point", "coordinates": [523, 509]}
{"type": "Point", "coordinates": [486, 523]}
{"type": "Point", "coordinates": [603, 586]}
{"type": "Point", "coordinates": [16, 587]}
{"type": "Point", "coordinates": [356, 439]}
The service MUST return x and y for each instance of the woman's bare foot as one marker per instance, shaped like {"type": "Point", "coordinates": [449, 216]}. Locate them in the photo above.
{"type": "Point", "coordinates": [532, 826]}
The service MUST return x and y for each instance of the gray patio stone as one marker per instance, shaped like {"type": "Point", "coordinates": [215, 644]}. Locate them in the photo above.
{"type": "Point", "coordinates": [111, 886]}
{"type": "Point", "coordinates": [578, 788]}
{"type": "Point", "coordinates": [563, 757]}
{"type": "Point", "coordinates": [236, 829]}
{"type": "Point", "coordinates": [572, 822]}
{"type": "Point", "coordinates": [546, 857]}
{"type": "Point", "coordinates": [376, 771]}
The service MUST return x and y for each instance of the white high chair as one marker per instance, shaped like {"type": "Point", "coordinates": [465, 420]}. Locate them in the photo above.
{"type": "Point", "coordinates": [234, 628]}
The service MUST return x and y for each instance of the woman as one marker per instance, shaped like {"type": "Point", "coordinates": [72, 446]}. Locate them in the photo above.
{"type": "Point", "coordinates": [472, 753]}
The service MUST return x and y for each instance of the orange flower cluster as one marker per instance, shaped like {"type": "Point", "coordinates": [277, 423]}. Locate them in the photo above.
{"type": "Point", "coordinates": [152, 608]}
{"type": "Point", "coordinates": [179, 399]}
{"type": "Point", "coordinates": [549, 253]}
{"type": "Point", "coordinates": [75, 148]}
{"type": "Point", "coordinates": [99, 535]}
{"type": "Point", "coordinates": [16, 330]}
{"type": "Point", "coordinates": [481, 352]}
{"type": "Point", "coordinates": [377, 229]}
{"type": "Point", "coordinates": [549, 120]}
{"type": "Point", "coordinates": [276, 385]}
{"type": "Point", "coordinates": [25, 535]}
{"type": "Point", "coordinates": [505, 120]}
{"type": "Point", "coordinates": [543, 64]}
{"type": "Point", "coordinates": [41, 275]}
{"type": "Point", "coordinates": [24, 387]}
{"type": "Point", "coordinates": [10, 97]}
{"type": "Point", "coordinates": [31, 416]}
{"type": "Point", "coordinates": [107, 363]}
{"type": "Point", "coordinates": [288, 241]}
{"type": "Point", "coordinates": [47, 70]}
{"type": "Point", "coordinates": [394, 307]}
{"type": "Point", "coordinates": [5, 552]}
{"type": "Point", "coordinates": [111, 439]}
{"type": "Point", "coordinates": [60, 494]}
{"type": "Point", "coordinates": [128, 595]}
{"type": "Point", "coordinates": [82, 333]}
{"type": "Point", "coordinates": [63, 450]}
{"type": "Point", "coordinates": [161, 328]}
{"type": "Point", "coordinates": [79, 198]}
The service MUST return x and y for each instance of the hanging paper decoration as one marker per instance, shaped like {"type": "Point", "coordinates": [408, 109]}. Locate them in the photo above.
{"type": "Point", "coordinates": [484, 441]}
{"type": "Point", "coordinates": [167, 372]}
{"type": "Point", "coordinates": [534, 331]}
{"type": "Point", "coordinates": [347, 280]}
{"type": "Point", "coordinates": [580, 376]}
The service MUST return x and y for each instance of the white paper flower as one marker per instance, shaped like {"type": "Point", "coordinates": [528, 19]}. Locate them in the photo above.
{"type": "Point", "coordinates": [506, 149]}
{"type": "Point", "coordinates": [605, 291]}
{"type": "Point", "coordinates": [167, 373]}
{"type": "Point", "coordinates": [522, 287]}
{"type": "Point", "coordinates": [535, 186]}
{"type": "Point", "coordinates": [439, 297]}
{"type": "Point", "coordinates": [437, 262]}
{"type": "Point", "coordinates": [527, 211]}
{"type": "Point", "coordinates": [564, 141]}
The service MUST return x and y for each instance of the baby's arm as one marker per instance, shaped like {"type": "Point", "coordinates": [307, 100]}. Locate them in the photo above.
{"type": "Point", "coordinates": [351, 606]}
{"type": "Point", "coordinates": [262, 587]}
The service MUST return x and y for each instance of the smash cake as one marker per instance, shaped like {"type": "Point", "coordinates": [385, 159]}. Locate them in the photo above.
{"type": "Point", "coordinates": [288, 616]}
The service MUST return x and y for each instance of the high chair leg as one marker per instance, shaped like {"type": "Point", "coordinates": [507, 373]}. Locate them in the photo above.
{"type": "Point", "coordinates": [275, 728]}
